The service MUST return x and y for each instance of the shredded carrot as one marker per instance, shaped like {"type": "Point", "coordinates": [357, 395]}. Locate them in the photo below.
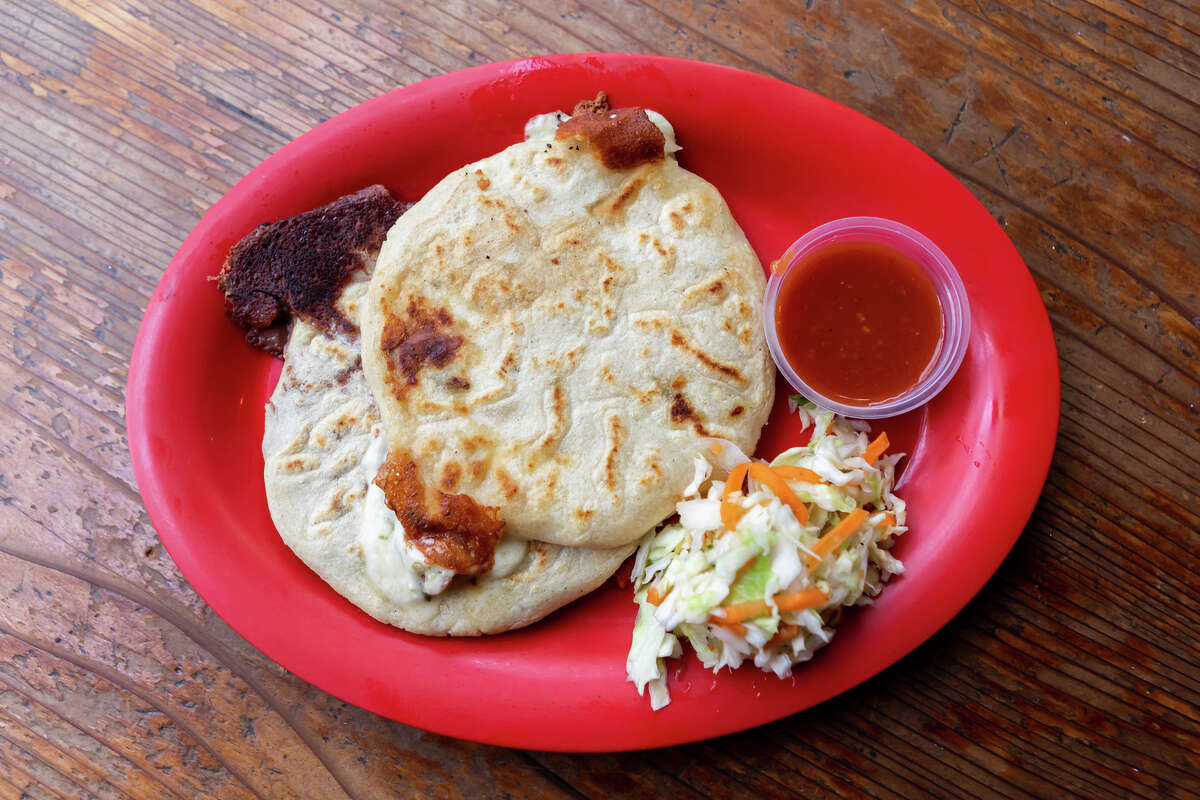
{"type": "Point", "coordinates": [889, 519]}
{"type": "Point", "coordinates": [829, 428]}
{"type": "Point", "coordinates": [785, 634]}
{"type": "Point", "coordinates": [801, 600]}
{"type": "Point", "coordinates": [798, 474]}
{"type": "Point", "coordinates": [832, 540]}
{"type": "Point", "coordinates": [654, 597]}
{"type": "Point", "coordinates": [747, 610]}
{"type": "Point", "coordinates": [875, 449]}
{"type": "Point", "coordinates": [742, 569]}
{"type": "Point", "coordinates": [764, 474]}
{"type": "Point", "coordinates": [731, 512]}
{"type": "Point", "coordinates": [736, 627]}
{"type": "Point", "coordinates": [795, 601]}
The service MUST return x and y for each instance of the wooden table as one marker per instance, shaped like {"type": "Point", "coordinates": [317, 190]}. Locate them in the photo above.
{"type": "Point", "coordinates": [1076, 671]}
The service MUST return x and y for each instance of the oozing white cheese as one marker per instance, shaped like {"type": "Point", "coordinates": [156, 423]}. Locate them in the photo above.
{"type": "Point", "coordinates": [543, 126]}
{"type": "Point", "coordinates": [668, 131]}
{"type": "Point", "coordinates": [393, 565]}
{"type": "Point", "coordinates": [509, 554]}
{"type": "Point", "coordinates": [381, 538]}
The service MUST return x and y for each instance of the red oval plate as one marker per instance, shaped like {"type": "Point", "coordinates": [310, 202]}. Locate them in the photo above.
{"type": "Point", "coordinates": [786, 160]}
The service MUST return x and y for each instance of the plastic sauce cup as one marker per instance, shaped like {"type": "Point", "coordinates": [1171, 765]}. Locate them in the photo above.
{"type": "Point", "coordinates": [955, 310]}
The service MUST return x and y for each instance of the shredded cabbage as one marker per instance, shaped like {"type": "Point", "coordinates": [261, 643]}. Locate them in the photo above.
{"type": "Point", "coordinates": [721, 589]}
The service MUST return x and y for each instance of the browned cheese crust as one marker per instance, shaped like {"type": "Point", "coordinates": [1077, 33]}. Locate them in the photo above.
{"type": "Point", "coordinates": [299, 265]}
{"type": "Point", "coordinates": [621, 138]}
{"type": "Point", "coordinates": [451, 530]}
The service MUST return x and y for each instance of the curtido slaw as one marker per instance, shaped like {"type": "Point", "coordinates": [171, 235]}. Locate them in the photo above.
{"type": "Point", "coordinates": [763, 557]}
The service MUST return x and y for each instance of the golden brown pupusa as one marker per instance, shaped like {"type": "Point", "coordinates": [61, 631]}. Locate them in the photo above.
{"type": "Point", "coordinates": [571, 332]}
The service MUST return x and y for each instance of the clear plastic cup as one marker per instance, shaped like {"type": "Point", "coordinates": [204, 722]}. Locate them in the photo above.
{"type": "Point", "coordinates": [956, 311]}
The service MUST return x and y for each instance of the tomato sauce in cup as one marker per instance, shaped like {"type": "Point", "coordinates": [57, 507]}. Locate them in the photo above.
{"type": "Point", "coordinates": [866, 317]}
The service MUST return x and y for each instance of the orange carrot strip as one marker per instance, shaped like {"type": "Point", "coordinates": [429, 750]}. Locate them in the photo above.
{"type": "Point", "coordinates": [875, 449]}
{"type": "Point", "coordinates": [764, 474]}
{"type": "Point", "coordinates": [798, 474]}
{"type": "Point", "coordinates": [889, 519]}
{"type": "Point", "coordinates": [801, 600]}
{"type": "Point", "coordinates": [784, 635]}
{"type": "Point", "coordinates": [736, 627]}
{"type": "Point", "coordinates": [832, 540]}
{"type": "Point", "coordinates": [742, 569]}
{"type": "Point", "coordinates": [747, 610]}
{"type": "Point", "coordinates": [731, 512]}
{"type": "Point", "coordinates": [654, 597]}
{"type": "Point", "coordinates": [795, 601]}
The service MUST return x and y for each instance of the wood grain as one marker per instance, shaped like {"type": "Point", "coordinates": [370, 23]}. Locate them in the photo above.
{"type": "Point", "coordinates": [1075, 672]}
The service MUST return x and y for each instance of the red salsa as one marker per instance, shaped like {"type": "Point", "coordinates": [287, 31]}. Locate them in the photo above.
{"type": "Point", "coordinates": [858, 322]}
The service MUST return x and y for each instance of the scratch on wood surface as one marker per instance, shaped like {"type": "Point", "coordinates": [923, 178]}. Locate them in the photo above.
{"type": "Point", "coordinates": [262, 123]}
{"type": "Point", "coordinates": [993, 152]}
{"type": "Point", "coordinates": [955, 122]}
